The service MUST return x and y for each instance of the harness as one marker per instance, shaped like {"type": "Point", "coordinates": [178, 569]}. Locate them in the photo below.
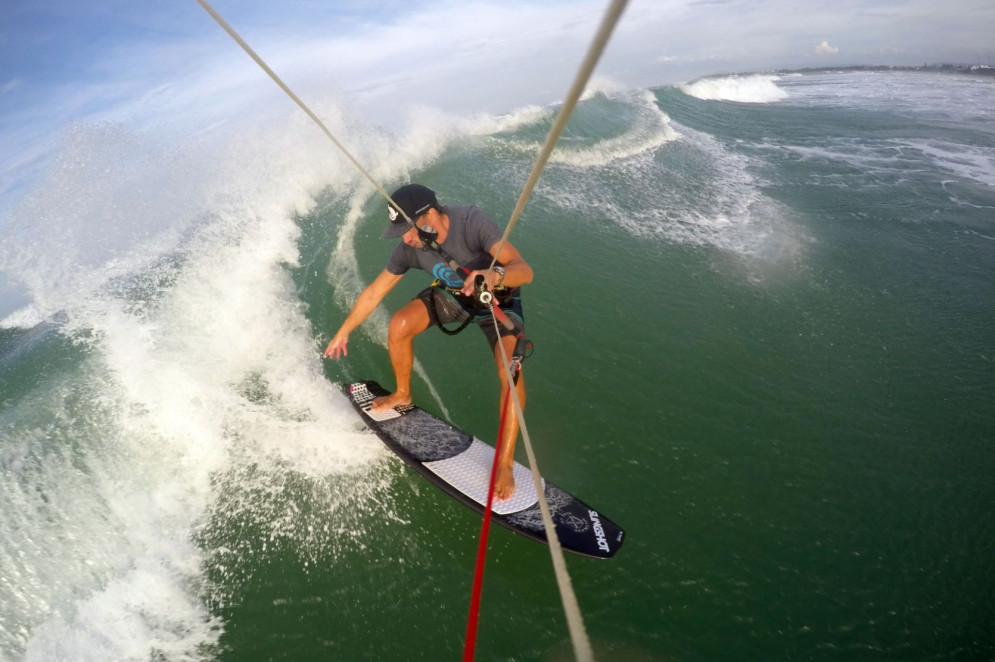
{"type": "Point", "coordinates": [433, 312]}
{"type": "Point", "coordinates": [482, 299]}
{"type": "Point", "coordinates": [500, 294]}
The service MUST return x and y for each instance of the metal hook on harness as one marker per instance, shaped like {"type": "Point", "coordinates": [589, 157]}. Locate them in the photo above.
{"type": "Point", "coordinates": [480, 291]}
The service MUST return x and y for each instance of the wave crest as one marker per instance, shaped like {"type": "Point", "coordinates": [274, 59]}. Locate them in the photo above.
{"type": "Point", "coordinates": [743, 89]}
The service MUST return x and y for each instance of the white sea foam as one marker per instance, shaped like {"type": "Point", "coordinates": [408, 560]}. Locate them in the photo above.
{"type": "Point", "coordinates": [195, 360]}
{"type": "Point", "coordinates": [600, 84]}
{"type": "Point", "coordinates": [744, 89]}
{"type": "Point", "coordinates": [24, 317]}
{"type": "Point", "coordinates": [692, 191]}
{"type": "Point", "coordinates": [895, 158]}
{"type": "Point", "coordinates": [646, 130]}
{"type": "Point", "coordinates": [972, 163]}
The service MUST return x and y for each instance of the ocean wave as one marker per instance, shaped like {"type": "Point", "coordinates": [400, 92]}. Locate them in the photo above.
{"type": "Point", "coordinates": [757, 88]}
{"type": "Point", "coordinates": [186, 356]}
{"type": "Point", "coordinates": [647, 128]}
{"type": "Point", "coordinates": [603, 128]}
{"type": "Point", "coordinates": [694, 191]}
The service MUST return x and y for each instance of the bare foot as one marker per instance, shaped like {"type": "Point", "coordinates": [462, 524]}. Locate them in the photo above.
{"type": "Point", "coordinates": [388, 402]}
{"type": "Point", "coordinates": [504, 483]}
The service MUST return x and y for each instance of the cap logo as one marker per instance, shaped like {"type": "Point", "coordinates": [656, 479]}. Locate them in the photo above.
{"type": "Point", "coordinates": [392, 214]}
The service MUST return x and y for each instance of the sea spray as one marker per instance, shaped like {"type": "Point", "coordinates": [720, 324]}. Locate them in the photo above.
{"type": "Point", "coordinates": [193, 362]}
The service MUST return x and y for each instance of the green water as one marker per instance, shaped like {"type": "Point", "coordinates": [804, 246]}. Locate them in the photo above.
{"type": "Point", "coordinates": [763, 347]}
{"type": "Point", "coordinates": [802, 464]}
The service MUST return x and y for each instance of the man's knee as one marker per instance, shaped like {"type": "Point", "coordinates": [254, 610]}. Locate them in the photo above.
{"type": "Point", "coordinates": [409, 321]}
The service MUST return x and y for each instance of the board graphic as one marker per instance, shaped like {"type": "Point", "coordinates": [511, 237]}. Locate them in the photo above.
{"type": "Point", "coordinates": [460, 465]}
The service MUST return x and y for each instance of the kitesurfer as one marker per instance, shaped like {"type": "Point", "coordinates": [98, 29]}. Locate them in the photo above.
{"type": "Point", "coordinates": [443, 236]}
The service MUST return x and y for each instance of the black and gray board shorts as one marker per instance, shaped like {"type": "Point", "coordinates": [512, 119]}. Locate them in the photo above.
{"type": "Point", "coordinates": [449, 308]}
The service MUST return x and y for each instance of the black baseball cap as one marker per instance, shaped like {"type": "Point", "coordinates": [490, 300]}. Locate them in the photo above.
{"type": "Point", "coordinates": [414, 200]}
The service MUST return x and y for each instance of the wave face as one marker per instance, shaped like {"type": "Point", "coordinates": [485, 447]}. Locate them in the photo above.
{"type": "Point", "coordinates": [173, 361]}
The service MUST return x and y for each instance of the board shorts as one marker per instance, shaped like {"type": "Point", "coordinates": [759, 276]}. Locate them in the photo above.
{"type": "Point", "coordinates": [445, 307]}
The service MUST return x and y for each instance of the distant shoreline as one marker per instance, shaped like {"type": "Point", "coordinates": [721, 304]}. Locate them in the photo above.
{"type": "Point", "coordinates": [973, 69]}
{"type": "Point", "coordinates": [982, 69]}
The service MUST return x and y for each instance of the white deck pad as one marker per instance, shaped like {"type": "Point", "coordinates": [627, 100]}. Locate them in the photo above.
{"type": "Point", "coordinates": [470, 473]}
{"type": "Point", "coordinates": [380, 416]}
{"type": "Point", "coordinates": [362, 396]}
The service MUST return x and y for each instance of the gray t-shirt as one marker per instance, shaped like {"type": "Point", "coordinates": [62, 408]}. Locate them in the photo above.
{"type": "Point", "coordinates": [472, 233]}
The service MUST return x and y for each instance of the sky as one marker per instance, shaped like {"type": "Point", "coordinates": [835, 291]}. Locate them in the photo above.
{"type": "Point", "coordinates": [167, 66]}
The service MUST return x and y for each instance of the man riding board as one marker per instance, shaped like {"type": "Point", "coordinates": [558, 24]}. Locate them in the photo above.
{"type": "Point", "coordinates": [467, 235]}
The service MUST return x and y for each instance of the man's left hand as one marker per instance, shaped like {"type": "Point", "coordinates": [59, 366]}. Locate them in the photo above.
{"type": "Point", "coordinates": [490, 280]}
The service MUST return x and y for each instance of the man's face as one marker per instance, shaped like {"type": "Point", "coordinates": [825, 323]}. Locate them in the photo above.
{"type": "Point", "coordinates": [411, 237]}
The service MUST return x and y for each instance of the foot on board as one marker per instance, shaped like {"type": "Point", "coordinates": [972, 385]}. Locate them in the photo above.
{"type": "Point", "coordinates": [504, 483]}
{"type": "Point", "coordinates": [388, 402]}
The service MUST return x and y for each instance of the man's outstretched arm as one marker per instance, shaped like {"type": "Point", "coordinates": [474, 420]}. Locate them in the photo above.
{"type": "Point", "coordinates": [365, 304]}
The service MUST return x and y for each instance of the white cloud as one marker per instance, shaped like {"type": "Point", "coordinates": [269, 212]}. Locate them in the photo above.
{"type": "Point", "coordinates": [505, 54]}
{"type": "Point", "coordinates": [825, 49]}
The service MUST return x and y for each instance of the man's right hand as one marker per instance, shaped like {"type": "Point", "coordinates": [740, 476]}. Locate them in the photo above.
{"type": "Point", "coordinates": [368, 299]}
{"type": "Point", "coordinates": [337, 347]}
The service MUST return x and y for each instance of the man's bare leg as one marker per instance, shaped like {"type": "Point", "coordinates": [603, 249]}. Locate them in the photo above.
{"type": "Point", "coordinates": [504, 480]}
{"type": "Point", "coordinates": [405, 324]}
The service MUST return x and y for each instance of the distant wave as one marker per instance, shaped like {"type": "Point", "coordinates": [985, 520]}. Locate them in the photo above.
{"type": "Point", "coordinates": [646, 129]}
{"type": "Point", "coordinates": [744, 89]}
{"type": "Point", "coordinates": [603, 128]}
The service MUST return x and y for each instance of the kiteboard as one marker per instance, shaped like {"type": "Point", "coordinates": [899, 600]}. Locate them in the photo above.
{"type": "Point", "coordinates": [460, 465]}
